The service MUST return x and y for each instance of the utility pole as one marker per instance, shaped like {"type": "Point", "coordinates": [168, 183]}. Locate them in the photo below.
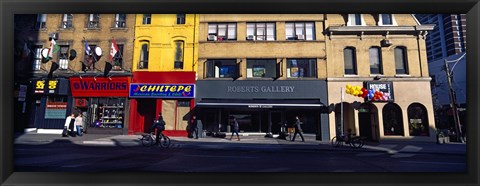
{"type": "Point", "coordinates": [453, 102]}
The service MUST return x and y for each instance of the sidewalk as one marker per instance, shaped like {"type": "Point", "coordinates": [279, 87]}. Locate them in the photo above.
{"type": "Point", "coordinates": [251, 142]}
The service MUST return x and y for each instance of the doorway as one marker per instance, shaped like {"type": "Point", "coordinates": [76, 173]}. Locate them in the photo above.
{"type": "Point", "coordinates": [146, 110]}
{"type": "Point", "coordinates": [276, 119]}
{"type": "Point", "coordinates": [368, 122]}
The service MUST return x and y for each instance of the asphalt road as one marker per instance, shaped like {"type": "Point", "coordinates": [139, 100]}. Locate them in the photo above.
{"type": "Point", "coordinates": [69, 157]}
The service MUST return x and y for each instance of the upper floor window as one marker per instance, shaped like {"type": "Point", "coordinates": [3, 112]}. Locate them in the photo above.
{"type": "Point", "coordinates": [63, 57]}
{"type": "Point", "coordinates": [297, 68]}
{"type": "Point", "coordinates": [41, 22]}
{"type": "Point", "coordinates": [179, 45]}
{"type": "Point", "coordinates": [147, 18]}
{"type": "Point", "coordinates": [221, 68]}
{"type": "Point", "coordinates": [355, 20]}
{"type": "Point", "coordinates": [118, 58]}
{"type": "Point", "coordinates": [401, 66]}
{"type": "Point", "coordinates": [222, 31]}
{"type": "Point", "coordinates": [67, 21]}
{"type": "Point", "coordinates": [89, 58]}
{"type": "Point", "coordinates": [120, 20]}
{"type": "Point", "coordinates": [262, 68]}
{"type": "Point", "coordinates": [350, 61]}
{"type": "Point", "coordinates": [300, 31]}
{"type": "Point", "coordinates": [37, 57]}
{"type": "Point", "coordinates": [143, 63]}
{"type": "Point", "coordinates": [180, 19]}
{"type": "Point", "coordinates": [376, 66]}
{"type": "Point", "coordinates": [93, 21]}
{"type": "Point", "coordinates": [386, 19]}
{"type": "Point", "coordinates": [261, 31]}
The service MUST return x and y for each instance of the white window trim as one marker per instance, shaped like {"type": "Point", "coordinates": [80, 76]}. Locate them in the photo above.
{"type": "Point", "coordinates": [351, 17]}
{"type": "Point", "coordinates": [380, 21]}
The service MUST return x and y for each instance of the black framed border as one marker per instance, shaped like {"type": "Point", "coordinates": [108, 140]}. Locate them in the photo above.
{"type": "Point", "coordinates": [11, 7]}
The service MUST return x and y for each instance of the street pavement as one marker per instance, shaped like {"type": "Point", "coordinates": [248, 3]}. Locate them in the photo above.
{"type": "Point", "coordinates": [249, 142]}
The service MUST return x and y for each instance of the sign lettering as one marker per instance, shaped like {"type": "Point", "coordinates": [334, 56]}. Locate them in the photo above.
{"type": "Point", "coordinates": [141, 90]}
{"type": "Point", "coordinates": [267, 89]}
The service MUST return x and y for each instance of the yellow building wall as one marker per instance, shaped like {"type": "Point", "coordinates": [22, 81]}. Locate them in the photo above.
{"type": "Point", "coordinates": [161, 35]}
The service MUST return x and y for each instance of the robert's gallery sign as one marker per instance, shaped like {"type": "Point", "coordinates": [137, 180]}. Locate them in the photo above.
{"type": "Point", "coordinates": [260, 88]}
{"type": "Point", "coordinates": [144, 90]}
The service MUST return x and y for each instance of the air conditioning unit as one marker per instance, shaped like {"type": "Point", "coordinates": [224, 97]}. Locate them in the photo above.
{"type": "Point", "coordinates": [212, 37]}
{"type": "Point", "coordinates": [300, 37]}
{"type": "Point", "coordinates": [250, 37]}
{"type": "Point", "coordinates": [80, 102]}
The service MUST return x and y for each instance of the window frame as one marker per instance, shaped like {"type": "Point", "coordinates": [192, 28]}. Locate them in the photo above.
{"type": "Point", "coordinates": [63, 57]}
{"type": "Point", "coordinates": [352, 20]}
{"type": "Point", "coordinates": [119, 23]}
{"type": "Point", "coordinates": [404, 61]}
{"type": "Point", "coordinates": [37, 58]}
{"type": "Point", "coordinates": [381, 22]}
{"type": "Point", "coordinates": [266, 31]}
{"type": "Point", "coordinates": [304, 30]}
{"type": "Point", "coordinates": [213, 72]}
{"type": "Point", "coordinates": [227, 29]}
{"type": "Point", "coordinates": [181, 19]}
{"type": "Point", "coordinates": [93, 21]}
{"type": "Point", "coordinates": [144, 55]}
{"type": "Point", "coordinates": [118, 58]}
{"type": "Point", "coordinates": [67, 21]}
{"type": "Point", "coordinates": [298, 61]}
{"type": "Point", "coordinates": [354, 70]}
{"type": "Point", "coordinates": [147, 19]}
{"type": "Point", "coordinates": [253, 63]}
{"type": "Point", "coordinates": [179, 63]}
{"type": "Point", "coordinates": [41, 22]}
{"type": "Point", "coordinates": [379, 57]}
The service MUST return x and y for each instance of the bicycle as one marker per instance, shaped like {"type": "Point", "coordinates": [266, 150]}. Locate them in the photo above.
{"type": "Point", "coordinates": [149, 139]}
{"type": "Point", "coordinates": [354, 142]}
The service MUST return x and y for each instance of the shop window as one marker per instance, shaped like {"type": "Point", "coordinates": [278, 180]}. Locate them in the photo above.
{"type": "Point", "coordinates": [221, 68]}
{"type": "Point", "coordinates": [147, 18]}
{"type": "Point", "coordinates": [392, 120]}
{"type": "Point", "coordinates": [298, 68]}
{"type": "Point", "coordinates": [63, 57]}
{"type": "Point", "coordinates": [261, 68]}
{"type": "Point", "coordinates": [41, 22]}
{"type": "Point", "coordinates": [300, 31]}
{"type": "Point", "coordinates": [376, 66]}
{"type": "Point", "coordinates": [143, 63]}
{"type": "Point", "coordinates": [222, 31]}
{"type": "Point", "coordinates": [67, 21]}
{"type": "Point", "coordinates": [183, 103]}
{"type": "Point", "coordinates": [180, 19]}
{"type": "Point", "coordinates": [107, 112]}
{"type": "Point", "coordinates": [350, 61]}
{"type": "Point", "coordinates": [261, 31]}
{"type": "Point", "coordinates": [418, 120]}
{"type": "Point", "coordinates": [37, 58]}
{"type": "Point", "coordinates": [401, 66]}
{"type": "Point", "coordinates": [93, 21]}
{"type": "Point", "coordinates": [120, 20]}
{"type": "Point", "coordinates": [179, 46]}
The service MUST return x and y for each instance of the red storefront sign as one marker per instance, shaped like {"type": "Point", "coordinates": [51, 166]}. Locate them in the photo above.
{"type": "Point", "coordinates": [99, 86]}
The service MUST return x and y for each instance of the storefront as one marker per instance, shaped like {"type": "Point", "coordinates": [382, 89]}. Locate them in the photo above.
{"type": "Point", "coordinates": [263, 106]}
{"type": "Point", "coordinates": [171, 93]}
{"type": "Point", "coordinates": [50, 104]}
{"type": "Point", "coordinates": [103, 103]}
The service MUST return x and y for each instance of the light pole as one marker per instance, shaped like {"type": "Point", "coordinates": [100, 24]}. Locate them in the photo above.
{"type": "Point", "coordinates": [453, 98]}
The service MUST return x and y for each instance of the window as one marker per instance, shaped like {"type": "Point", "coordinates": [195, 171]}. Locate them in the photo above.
{"type": "Point", "coordinates": [180, 19]}
{"type": "Point", "coordinates": [179, 46]}
{"type": "Point", "coordinates": [376, 66]}
{"type": "Point", "coordinates": [261, 68]}
{"type": "Point", "coordinates": [143, 64]}
{"type": "Point", "coordinates": [355, 20]}
{"type": "Point", "coordinates": [350, 61]}
{"type": "Point", "coordinates": [118, 58]}
{"type": "Point", "coordinates": [89, 59]}
{"type": "Point", "coordinates": [298, 68]}
{"type": "Point", "coordinates": [401, 60]}
{"type": "Point", "coordinates": [261, 31]}
{"type": "Point", "coordinates": [93, 21]}
{"type": "Point", "coordinates": [120, 20]}
{"type": "Point", "coordinates": [418, 120]}
{"type": "Point", "coordinates": [392, 120]}
{"type": "Point", "coordinates": [67, 21]}
{"type": "Point", "coordinates": [386, 19]}
{"type": "Point", "coordinates": [300, 31]}
{"type": "Point", "coordinates": [223, 31]}
{"type": "Point", "coordinates": [183, 103]}
{"type": "Point", "coordinates": [41, 21]}
{"type": "Point", "coordinates": [222, 68]}
{"type": "Point", "coordinates": [63, 57]}
{"type": "Point", "coordinates": [37, 58]}
{"type": "Point", "coordinates": [147, 18]}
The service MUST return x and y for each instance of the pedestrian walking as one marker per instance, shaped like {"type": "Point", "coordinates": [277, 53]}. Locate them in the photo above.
{"type": "Point", "coordinates": [79, 124]}
{"type": "Point", "coordinates": [194, 127]}
{"type": "Point", "coordinates": [235, 128]}
{"type": "Point", "coordinates": [68, 120]}
{"type": "Point", "coordinates": [298, 129]}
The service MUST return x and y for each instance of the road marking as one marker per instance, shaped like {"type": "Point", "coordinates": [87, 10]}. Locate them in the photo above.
{"type": "Point", "coordinates": [209, 156]}
{"type": "Point", "coordinates": [431, 162]}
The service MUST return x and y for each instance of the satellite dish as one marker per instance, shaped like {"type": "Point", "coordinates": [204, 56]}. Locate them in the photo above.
{"type": "Point", "coordinates": [98, 51]}
{"type": "Point", "coordinates": [73, 54]}
{"type": "Point", "coordinates": [44, 52]}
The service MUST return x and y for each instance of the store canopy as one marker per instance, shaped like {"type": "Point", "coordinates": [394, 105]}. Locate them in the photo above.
{"type": "Point", "coordinates": [260, 103]}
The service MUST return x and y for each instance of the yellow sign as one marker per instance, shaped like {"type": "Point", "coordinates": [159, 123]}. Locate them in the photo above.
{"type": "Point", "coordinates": [40, 84]}
{"type": "Point", "coordinates": [52, 84]}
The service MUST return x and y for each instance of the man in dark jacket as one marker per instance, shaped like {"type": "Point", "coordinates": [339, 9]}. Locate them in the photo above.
{"type": "Point", "coordinates": [194, 127]}
{"type": "Point", "coordinates": [298, 129]}
{"type": "Point", "coordinates": [159, 126]}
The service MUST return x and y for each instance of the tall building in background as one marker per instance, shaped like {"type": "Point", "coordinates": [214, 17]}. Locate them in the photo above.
{"type": "Point", "coordinates": [448, 37]}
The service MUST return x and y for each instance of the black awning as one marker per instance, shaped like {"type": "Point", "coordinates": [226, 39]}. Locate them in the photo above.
{"type": "Point", "coordinates": [261, 103]}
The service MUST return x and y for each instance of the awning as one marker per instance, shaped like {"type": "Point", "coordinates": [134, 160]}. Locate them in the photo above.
{"type": "Point", "coordinates": [260, 103]}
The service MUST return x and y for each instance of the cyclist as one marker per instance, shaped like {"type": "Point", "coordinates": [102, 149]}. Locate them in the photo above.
{"type": "Point", "coordinates": [348, 136]}
{"type": "Point", "coordinates": [158, 126]}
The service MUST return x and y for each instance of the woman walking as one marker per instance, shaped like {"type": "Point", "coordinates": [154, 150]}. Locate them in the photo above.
{"type": "Point", "coordinates": [235, 128]}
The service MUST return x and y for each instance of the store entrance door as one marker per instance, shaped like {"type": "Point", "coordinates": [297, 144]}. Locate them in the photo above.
{"type": "Point", "coordinates": [146, 110]}
{"type": "Point", "coordinates": [276, 119]}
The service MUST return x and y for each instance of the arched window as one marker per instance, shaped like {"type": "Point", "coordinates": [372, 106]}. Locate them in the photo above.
{"type": "Point", "coordinates": [392, 120]}
{"type": "Point", "coordinates": [401, 61]}
{"type": "Point", "coordinates": [143, 63]}
{"type": "Point", "coordinates": [418, 120]}
{"type": "Point", "coordinates": [350, 60]}
{"type": "Point", "coordinates": [376, 66]}
{"type": "Point", "coordinates": [179, 46]}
